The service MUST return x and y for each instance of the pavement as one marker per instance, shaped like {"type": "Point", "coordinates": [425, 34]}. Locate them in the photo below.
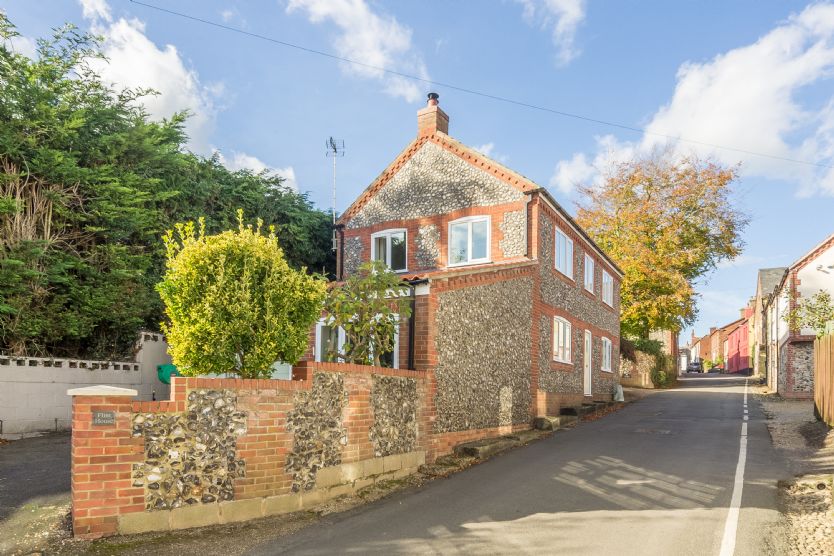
{"type": "Point", "coordinates": [654, 478]}
{"type": "Point", "coordinates": [34, 492]}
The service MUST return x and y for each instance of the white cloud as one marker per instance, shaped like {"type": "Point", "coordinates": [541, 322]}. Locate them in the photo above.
{"type": "Point", "coordinates": [227, 15]}
{"type": "Point", "coordinates": [23, 45]}
{"type": "Point", "coordinates": [288, 174]}
{"type": "Point", "coordinates": [488, 150]}
{"type": "Point", "coordinates": [133, 61]}
{"type": "Point", "coordinates": [570, 173]}
{"type": "Point", "coordinates": [371, 38]}
{"type": "Point", "coordinates": [244, 161]}
{"type": "Point", "coordinates": [750, 98]}
{"type": "Point", "coordinates": [561, 18]}
{"type": "Point", "coordinates": [95, 9]}
{"type": "Point", "coordinates": [485, 149]}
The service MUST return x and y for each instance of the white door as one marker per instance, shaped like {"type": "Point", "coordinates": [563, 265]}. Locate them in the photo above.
{"type": "Point", "coordinates": [586, 359]}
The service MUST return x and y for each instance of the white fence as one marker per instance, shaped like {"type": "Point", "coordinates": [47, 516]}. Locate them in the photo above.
{"type": "Point", "coordinates": [33, 390]}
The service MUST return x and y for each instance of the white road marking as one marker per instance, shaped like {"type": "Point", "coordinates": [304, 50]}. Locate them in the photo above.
{"type": "Point", "coordinates": [728, 543]}
{"type": "Point", "coordinates": [634, 482]}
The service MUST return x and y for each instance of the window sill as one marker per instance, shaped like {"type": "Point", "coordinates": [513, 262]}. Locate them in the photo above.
{"type": "Point", "coordinates": [560, 362]}
{"type": "Point", "coordinates": [468, 263]}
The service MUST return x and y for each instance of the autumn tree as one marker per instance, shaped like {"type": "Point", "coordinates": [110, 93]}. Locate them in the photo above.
{"type": "Point", "coordinates": [666, 221]}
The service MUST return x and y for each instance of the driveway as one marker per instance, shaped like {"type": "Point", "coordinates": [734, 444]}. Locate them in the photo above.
{"type": "Point", "coordinates": [655, 478]}
{"type": "Point", "coordinates": [34, 492]}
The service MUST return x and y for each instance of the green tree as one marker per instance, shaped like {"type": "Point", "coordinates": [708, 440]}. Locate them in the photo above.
{"type": "Point", "coordinates": [667, 222]}
{"type": "Point", "coordinates": [233, 303]}
{"type": "Point", "coordinates": [368, 307]}
{"type": "Point", "coordinates": [813, 312]}
{"type": "Point", "coordinates": [88, 185]}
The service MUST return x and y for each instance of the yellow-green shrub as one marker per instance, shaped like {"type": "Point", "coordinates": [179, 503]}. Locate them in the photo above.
{"type": "Point", "coordinates": [233, 302]}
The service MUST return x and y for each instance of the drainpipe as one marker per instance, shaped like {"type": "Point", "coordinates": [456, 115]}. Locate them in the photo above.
{"type": "Point", "coordinates": [412, 320]}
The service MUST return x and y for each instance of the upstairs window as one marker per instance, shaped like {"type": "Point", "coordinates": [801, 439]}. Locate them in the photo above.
{"type": "Point", "coordinates": [589, 273]}
{"type": "Point", "coordinates": [606, 355]}
{"type": "Point", "coordinates": [607, 289]}
{"type": "Point", "coordinates": [389, 246]}
{"type": "Point", "coordinates": [469, 240]}
{"type": "Point", "coordinates": [561, 340]}
{"type": "Point", "coordinates": [564, 254]}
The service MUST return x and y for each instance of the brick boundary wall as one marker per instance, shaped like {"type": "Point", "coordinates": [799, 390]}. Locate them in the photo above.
{"type": "Point", "coordinates": [108, 497]}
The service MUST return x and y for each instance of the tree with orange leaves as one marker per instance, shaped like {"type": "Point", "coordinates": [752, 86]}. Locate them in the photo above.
{"type": "Point", "coordinates": [666, 221]}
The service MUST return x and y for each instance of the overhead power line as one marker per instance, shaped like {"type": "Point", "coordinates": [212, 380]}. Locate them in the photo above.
{"type": "Point", "coordinates": [475, 92]}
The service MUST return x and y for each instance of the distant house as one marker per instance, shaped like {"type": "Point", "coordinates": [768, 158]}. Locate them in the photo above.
{"type": "Point", "coordinates": [790, 355]}
{"type": "Point", "coordinates": [738, 358]}
{"type": "Point", "coordinates": [516, 309]}
{"type": "Point", "coordinates": [766, 282]}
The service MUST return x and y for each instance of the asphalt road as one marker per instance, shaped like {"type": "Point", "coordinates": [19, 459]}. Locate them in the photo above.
{"type": "Point", "coordinates": [654, 478]}
{"type": "Point", "coordinates": [33, 470]}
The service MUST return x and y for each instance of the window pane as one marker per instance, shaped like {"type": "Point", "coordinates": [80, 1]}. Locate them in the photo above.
{"type": "Point", "coordinates": [381, 249]}
{"type": "Point", "coordinates": [567, 341]}
{"type": "Point", "coordinates": [569, 258]}
{"type": "Point", "coordinates": [398, 251]}
{"type": "Point", "coordinates": [479, 239]}
{"type": "Point", "coordinates": [329, 343]}
{"type": "Point", "coordinates": [458, 243]}
{"type": "Point", "coordinates": [560, 252]}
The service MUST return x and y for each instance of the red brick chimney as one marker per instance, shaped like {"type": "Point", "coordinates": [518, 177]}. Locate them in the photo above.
{"type": "Point", "coordinates": [432, 118]}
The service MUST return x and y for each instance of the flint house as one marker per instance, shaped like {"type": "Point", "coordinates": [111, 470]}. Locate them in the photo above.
{"type": "Point", "coordinates": [516, 310]}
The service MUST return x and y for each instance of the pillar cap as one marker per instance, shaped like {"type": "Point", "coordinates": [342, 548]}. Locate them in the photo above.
{"type": "Point", "coordinates": [102, 390]}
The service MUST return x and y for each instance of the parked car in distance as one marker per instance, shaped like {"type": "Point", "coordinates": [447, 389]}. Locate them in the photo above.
{"type": "Point", "coordinates": [695, 367]}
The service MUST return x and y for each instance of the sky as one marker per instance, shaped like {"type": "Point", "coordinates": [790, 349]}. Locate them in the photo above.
{"type": "Point", "coordinates": [747, 76]}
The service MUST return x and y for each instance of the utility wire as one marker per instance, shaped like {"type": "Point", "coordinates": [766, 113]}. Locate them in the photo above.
{"type": "Point", "coordinates": [476, 92]}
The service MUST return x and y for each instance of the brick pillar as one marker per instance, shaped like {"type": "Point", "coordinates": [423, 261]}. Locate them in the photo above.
{"type": "Point", "coordinates": [103, 454]}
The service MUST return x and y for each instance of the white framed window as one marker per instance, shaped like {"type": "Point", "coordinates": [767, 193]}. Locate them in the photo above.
{"type": "Point", "coordinates": [564, 254]}
{"type": "Point", "coordinates": [469, 240]}
{"type": "Point", "coordinates": [329, 341]}
{"type": "Point", "coordinates": [606, 355]}
{"type": "Point", "coordinates": [389, 246]}
{"type": "Point", "coordinates": [561, 340]}
{"type": "Point", "coordinates": [607, 289]}
{"type": "Point", "coordinates": [589, 273]}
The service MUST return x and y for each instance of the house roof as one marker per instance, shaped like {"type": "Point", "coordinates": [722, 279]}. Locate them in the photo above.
{"type": "Point", "coordinates": [769, 278]}
{"type": "Point", "coordinates": [803, 260]}
{"type": "Point", "coordinates": [480, 161]}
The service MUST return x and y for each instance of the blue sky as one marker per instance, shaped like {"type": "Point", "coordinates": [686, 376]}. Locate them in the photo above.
{"type": "Point", "coordinates": [756, 76]}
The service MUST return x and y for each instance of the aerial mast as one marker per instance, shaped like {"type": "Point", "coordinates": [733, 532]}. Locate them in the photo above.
{"type": "Point", "coordinates": [335, 149]}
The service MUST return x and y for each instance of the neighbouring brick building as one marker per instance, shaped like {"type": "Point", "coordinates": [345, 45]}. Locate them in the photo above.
{"type": "Point", "coordinates": [790, 353]}
{"type": "Point", "coordinates": [738, 344]}
{"type": "Point", "coordinates": [516, 309]}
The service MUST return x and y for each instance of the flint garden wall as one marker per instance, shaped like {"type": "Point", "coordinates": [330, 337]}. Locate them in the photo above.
{"type": "Point", "coordinates": [225, 450]}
